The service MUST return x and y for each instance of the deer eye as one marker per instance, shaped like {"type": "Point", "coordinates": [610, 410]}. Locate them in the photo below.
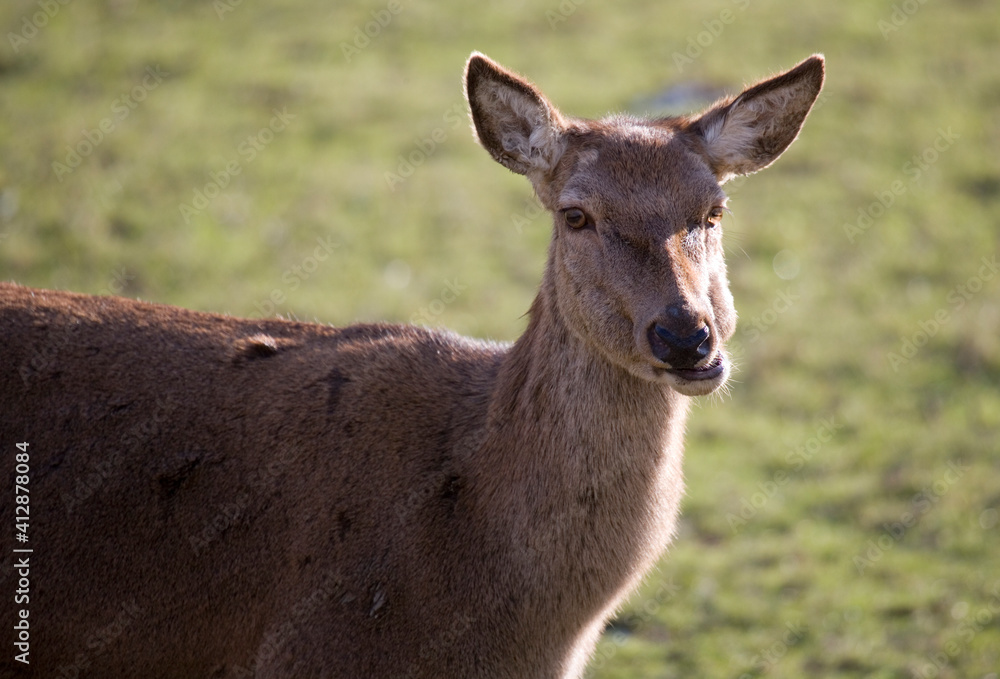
{"type": "Point", "coordinates": [714, 216]}
{"type": "Point", "coordinates": [575, 218]}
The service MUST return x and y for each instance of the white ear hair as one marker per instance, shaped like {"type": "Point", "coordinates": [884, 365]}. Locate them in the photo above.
{"type": "Point", "coordinates": [512, 120]}
{"type": "Point", "coordinates": [748, 133]}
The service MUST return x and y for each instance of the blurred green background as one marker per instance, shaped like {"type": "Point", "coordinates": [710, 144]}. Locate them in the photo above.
{"type": "Point", "coordinates": [314, 160]}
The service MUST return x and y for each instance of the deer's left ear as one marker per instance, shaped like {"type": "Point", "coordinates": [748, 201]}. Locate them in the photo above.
{"type": "Point", "coordinates": [748, 133]}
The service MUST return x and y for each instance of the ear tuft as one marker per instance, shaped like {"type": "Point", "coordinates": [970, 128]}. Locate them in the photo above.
{"type": "Point", "coordinates": [511, 119]}
{"type": "Point", "coordinates": [742, 135]}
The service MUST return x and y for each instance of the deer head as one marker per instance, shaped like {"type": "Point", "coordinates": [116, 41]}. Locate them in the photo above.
{"type": "Point", "coordinates": [636, 267]}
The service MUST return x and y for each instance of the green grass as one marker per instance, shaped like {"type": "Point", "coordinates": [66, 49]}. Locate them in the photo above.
{"type": "Point", "coordinates": [781, 512]}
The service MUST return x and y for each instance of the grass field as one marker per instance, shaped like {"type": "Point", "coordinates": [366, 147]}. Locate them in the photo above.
{"type": "Point", "coordinates": [314, 161]}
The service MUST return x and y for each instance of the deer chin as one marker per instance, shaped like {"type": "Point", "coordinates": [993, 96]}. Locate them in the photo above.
{"type": "Point", "coordinates": [697, 381]}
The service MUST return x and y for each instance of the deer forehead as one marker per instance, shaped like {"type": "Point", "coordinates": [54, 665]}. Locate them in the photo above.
{"type": "Point", "coordinates": [640, 171]}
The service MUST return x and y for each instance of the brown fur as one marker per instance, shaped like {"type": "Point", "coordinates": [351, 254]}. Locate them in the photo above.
{"type": "Point", "coordinates": [221, 497]}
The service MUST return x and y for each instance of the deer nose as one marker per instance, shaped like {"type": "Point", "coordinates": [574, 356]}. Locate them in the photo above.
{"type": "Point", "coordinates": [680, 352]}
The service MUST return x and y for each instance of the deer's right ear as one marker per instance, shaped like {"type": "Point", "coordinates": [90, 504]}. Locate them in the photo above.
{"type": "Point", "coordinates": [512, 119]}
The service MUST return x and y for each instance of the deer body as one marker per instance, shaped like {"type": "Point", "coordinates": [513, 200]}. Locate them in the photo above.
{"type": "Point", "coordinates": [276, 499]}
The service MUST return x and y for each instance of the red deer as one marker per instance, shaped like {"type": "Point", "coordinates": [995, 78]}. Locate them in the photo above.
{"type": "Point", "coordinates": [219, 497]}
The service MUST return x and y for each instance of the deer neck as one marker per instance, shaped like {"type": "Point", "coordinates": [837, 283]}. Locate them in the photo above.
{"type": "Point", "coordinates": [558, 388]}
{"type": "Point", "coordinates": [584, 457]}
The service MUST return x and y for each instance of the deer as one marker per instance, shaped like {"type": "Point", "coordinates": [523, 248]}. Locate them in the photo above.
{"type": "Point", "coordinates": [213, 496]}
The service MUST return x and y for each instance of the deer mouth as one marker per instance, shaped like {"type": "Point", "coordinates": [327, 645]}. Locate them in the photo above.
{"type": "Point", "coordinates": [710, 371]}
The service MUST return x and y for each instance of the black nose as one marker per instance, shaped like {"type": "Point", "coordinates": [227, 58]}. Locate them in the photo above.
{"type": "Point", "coordinates": [679, 352]}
